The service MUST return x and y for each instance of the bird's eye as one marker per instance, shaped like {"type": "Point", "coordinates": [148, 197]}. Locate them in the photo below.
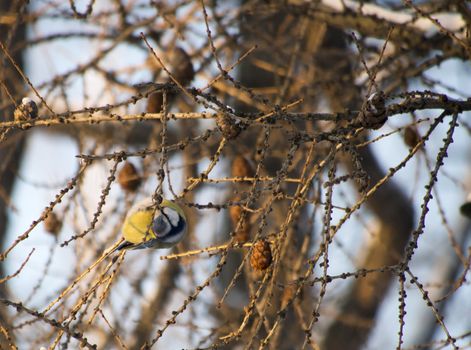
{"type": "Point", "coordinates": [160, 226]}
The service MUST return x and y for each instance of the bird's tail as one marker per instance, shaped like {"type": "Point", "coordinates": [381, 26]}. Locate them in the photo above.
{"type": "Point", "coordinates": [119, 245]}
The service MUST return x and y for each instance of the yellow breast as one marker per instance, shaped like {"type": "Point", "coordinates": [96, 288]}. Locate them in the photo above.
{"type": "Point", "coordinates": [137, 228]}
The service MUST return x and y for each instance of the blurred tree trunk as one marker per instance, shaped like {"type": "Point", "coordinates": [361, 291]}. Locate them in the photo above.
{"type": "Point", "coordinates": [356, 317]}
{"type": "Point", "coordinates": [275, 47]}
{"type": "Point", "coordinates": [12, 30]}
{"type": "Point", "coordinates": [396, 219]}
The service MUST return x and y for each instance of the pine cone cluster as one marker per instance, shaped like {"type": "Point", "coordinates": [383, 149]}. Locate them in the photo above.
{"type": "Point", "coordinates": [261, 257]}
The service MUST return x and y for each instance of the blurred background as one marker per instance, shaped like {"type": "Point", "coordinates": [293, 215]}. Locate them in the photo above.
{"type": "Point", "coordinates": [331, 221]}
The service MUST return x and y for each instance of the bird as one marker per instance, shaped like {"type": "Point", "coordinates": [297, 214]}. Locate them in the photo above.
{"type": "Point", "coordinates": [147, 225]}
{"type": "Point", "coordinates": [150, 226]}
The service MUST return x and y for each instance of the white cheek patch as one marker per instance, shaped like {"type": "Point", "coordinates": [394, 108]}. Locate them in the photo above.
{"type": "Point", "coordinates": [172, 215]}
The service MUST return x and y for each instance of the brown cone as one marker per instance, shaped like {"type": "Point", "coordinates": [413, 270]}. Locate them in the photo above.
{"type": "Point", "coordinates": [52, 224]}
{"type": "Point", "coordinates": [241, 167]}
{"type": "Point", "coordinates": [155, 102]}
{"type": "Point", "coordinates": [411, 137]}
{"type": "Point", "coordinates": [128, 177]}
{"type": "Point", "coordinates": [288, 295]}
{"type": "Point", "coordinates": [261, 257]}
{"type": "Point", "coordinates": [242, 235]}
{"type": "Point", "coordinates": [373, 116]}
{"type": "Point", "coordinates": [180, 67]}
{"type": "Point", "coordinates": [228, 127]}
{"type": "Point", "coordinates": [178, 62]}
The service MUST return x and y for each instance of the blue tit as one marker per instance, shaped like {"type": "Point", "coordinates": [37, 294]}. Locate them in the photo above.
{"type": "Point", "coordinates": [146, 226]}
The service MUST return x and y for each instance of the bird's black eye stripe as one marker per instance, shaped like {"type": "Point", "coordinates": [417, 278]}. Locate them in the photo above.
{"type": "Point", "coordinates": [180, 226]}
{"type": "Point", "coordinates": [181, 223]}
{"type": "Point", "coordinates": [168, 219]}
